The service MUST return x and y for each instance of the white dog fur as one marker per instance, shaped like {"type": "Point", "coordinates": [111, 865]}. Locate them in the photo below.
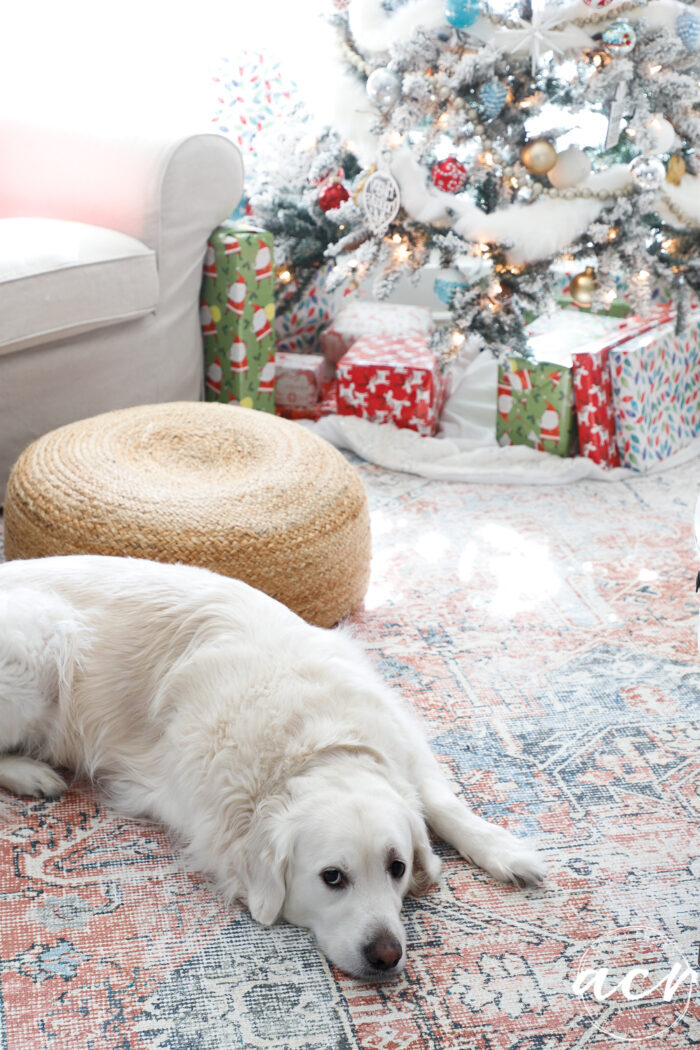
{"type": "Point", "coordinates": [269, 746]}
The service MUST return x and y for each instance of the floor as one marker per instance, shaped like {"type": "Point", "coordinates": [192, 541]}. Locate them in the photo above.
{"type": "Point", "coordinates": [549, 640]}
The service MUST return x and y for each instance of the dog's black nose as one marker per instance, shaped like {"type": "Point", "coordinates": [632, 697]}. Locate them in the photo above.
{"type": "Point", "coordinates": [383, 953]}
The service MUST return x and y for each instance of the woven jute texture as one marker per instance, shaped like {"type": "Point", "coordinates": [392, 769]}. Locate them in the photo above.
{"type": "Point", "coordinates": [237, 491]}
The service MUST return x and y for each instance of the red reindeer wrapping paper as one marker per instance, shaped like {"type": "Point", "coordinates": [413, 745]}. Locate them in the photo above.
{"type": "Point", "coordinates": [594, 407]}
{"type": "Point", "coordinates": [392, 379]}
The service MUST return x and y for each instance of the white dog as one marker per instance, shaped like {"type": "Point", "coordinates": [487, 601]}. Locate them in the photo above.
{"type": "Point", "coordinates": [293, 775]}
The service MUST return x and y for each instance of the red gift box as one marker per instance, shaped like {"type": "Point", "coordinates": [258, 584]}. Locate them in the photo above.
{"type": "Point", "coordinates": [594, 407]}
{"type": "Point", "coordinates": [392, 378]}
{"type": "Point", "coordinates": [327, 406]}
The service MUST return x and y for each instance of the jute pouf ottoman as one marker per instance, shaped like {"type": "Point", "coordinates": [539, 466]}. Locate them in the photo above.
{"type": "Point", "coordinates": [241, 492]}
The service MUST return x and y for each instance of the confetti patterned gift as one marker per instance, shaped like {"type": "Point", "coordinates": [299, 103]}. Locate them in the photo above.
{"type": "Point", "coordinates": [392, 378]}
{"type": "Point", "coordinates": [237, 316]}
{"type": "Point", "coordinates": [656, 394]}
{"type": "Point", "coordinates": [251, 94]}
{"type": "Point", "coordinates": [299, 330]}
{"type": "Point", "coordinates": [361, 318]}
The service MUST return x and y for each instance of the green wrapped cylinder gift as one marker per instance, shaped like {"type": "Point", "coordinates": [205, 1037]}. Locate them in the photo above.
{"type": "Point", "coordinates": [238, 314]}
{"type": "Point", "coordinates": [536, 406]}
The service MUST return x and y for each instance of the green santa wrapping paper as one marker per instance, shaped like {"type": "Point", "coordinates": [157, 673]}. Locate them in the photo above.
{"type": "Point", "coordinates": [238, 315]}
{"type": "Point", "coordinates": [536, 406]}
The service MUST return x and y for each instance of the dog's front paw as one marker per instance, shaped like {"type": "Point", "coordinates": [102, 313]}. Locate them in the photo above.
{"type": "Point", "coordinates": [510, 859]}
{"type": "Point", "coordinates": [27, 776]}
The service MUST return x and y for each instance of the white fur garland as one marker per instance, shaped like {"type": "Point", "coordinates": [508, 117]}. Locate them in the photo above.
{"type": "Point", "coordinates": [374, 30]}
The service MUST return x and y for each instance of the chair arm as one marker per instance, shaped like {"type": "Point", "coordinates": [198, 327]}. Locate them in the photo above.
{"type": "Point", "coordinates": [151, 189]}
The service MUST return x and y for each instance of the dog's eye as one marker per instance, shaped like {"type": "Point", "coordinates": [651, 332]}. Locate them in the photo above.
{"type": "Point", "coordinates": [396, 869]}
{"type": "Point", "coordinates": [333, 877]}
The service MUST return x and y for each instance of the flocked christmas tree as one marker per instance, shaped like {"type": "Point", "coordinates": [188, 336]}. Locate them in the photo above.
{"type": "Point", "coordinates": [456, 140]}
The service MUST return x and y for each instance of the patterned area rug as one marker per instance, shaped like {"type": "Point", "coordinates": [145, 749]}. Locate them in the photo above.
{"type": "Point", "coordinates": [548, 638]}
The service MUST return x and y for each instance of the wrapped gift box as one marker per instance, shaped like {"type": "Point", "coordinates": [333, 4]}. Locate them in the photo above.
{"type": "Point", "coordinates": [327, 406]}
{"type": "Point", "coordinates": [360, 319]}
{"type": "Point", "coordinates": [536, 405]}
{"type": "Point", "coordinates": [656, 394]}
{"type": "Point", "coordinates": [594, 407]}
{"type": "Point", "coordinates": [392, 378]}
{"type": "Point", "coordinates": [237, 313]}
{"type": "Point", "coordinates": [299, 380]}
{"type": "Point", "coordinates": [299, 329]}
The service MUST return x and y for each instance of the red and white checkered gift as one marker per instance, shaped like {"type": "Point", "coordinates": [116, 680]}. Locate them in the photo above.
{"type": "Point", "coordinates": [361, 318]}
{"type": "Point", "coordinates": [392, 378]}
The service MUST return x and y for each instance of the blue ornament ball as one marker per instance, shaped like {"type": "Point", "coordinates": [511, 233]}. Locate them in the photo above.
{"type": "Point", "coordinates": [462, 13]}
{"type": "Point", "coordinates": [688, 29]}
{"type": "Point", "coordinates": [492, 98]}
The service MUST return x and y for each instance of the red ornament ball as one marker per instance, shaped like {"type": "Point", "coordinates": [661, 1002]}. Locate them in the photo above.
{"type": "Point", "coordinates": [332, 196]}
{"type": "Point", "coordinates": [597, 3]}
{"type": "Point", "coordinates": [449, 175]}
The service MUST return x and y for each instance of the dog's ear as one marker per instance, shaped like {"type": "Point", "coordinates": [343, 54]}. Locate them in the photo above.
{"type": "Point", "coordinates": [265, 857]}
{"type": "Point", "coordinates": [426, 865]}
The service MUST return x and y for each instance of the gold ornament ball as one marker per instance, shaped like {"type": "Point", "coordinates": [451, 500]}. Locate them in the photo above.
{"type": "Point", "coordinates": [539, 156]}
{"type": "Point", "coordinates": [676, 169]}
{"type": "Point", "coordinates": [583, 287]}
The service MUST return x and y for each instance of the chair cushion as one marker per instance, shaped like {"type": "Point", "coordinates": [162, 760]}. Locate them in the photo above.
{"type": "Point", "coordinates": [61, 278]}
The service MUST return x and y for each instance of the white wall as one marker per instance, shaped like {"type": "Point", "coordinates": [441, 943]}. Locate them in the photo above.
{"type": "Point", "coordinates": [128, 64]}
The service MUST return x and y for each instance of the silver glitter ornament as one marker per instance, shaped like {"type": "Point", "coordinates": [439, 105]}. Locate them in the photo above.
{"type": "Point", "coordinates": [383, 88]}
{"type": "Point", "coordinates": [648, 172]}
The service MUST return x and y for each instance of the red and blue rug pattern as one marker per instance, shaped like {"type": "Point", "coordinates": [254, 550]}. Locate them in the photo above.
{"type": "Point", "coordinates": [548, 637]}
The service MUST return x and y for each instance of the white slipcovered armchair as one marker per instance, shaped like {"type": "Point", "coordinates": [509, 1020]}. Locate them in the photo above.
{"type": "Point", "coordinates": [101, 249]}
